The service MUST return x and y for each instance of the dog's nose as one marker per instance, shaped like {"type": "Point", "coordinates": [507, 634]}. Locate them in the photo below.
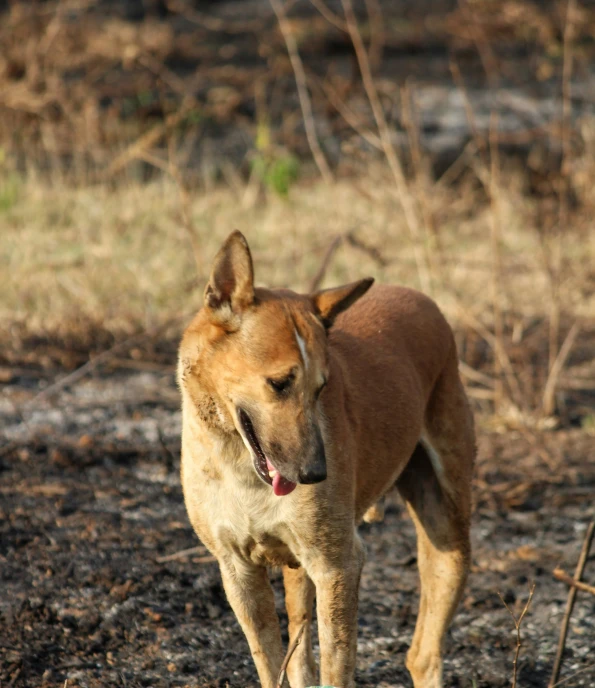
{"type": "Point", "coordinates": [314, 473]}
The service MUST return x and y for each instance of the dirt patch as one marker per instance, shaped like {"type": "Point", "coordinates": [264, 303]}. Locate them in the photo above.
{"type": "Point", "coordinates": [90, 499]}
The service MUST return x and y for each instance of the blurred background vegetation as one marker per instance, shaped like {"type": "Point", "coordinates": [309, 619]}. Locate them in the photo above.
{"type": "Point", "coordinates": [445, 145]}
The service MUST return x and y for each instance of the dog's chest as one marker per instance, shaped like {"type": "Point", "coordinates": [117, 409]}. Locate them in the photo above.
{"type": "Point", "coordinates": [252, 523]}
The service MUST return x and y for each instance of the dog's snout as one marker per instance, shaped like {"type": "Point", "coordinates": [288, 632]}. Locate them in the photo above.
{"type": "Point", "coordinates": [315, 470]}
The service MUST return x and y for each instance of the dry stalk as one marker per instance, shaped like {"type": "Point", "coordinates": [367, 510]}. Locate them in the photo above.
{"type": "Point", "coordinates": [482, 45]}
{"type": "Point", "coordinates": [328, 256]}
{"type": "Point", "coordinates": [348, 115]}
{"type": "Point", "coordinates": [517, 625]}
{"type": "Point", "coordinates": [353, 241]}
{"type": "Point", "coordinates": [476, 375]}
{"type": "Point", "coordinates": [491, 182]}
{"type": "Point", "coordinates": [555, 262]}
{"type": "Point", "coordinates": [549, 391]}
{"type": "Point", "coordinates": [496, 268]}
{"type": "Point", "coordinates": [103, 357]}
{"type": "Point", "coordinates": [185, 205]}
{"type": "Point", "coordinates": [403, 192]}
{"type": "Point", "coordinates": [433, 252]}
{"type": "Point", "coordinates": [172, 169]}
{"type": "Point", "coordinates": [329, 15]}
{"type": "Point", "coordinates": [199, 549]}
{"type": "Point", "coordinates": [148, 140]}
{"type": "Point", "coordinates": [561, 575]}
{"type": "Point", "coordinates": [213, 23]}
{"type": "Point", "coordinates": [572, 676]}
{"type": "Point", "coordinates": [374, 11]}
{"type": "Point", "coordinates": [580, 567]}
{"type": "Point", "coordinates": [302, 88]}
{"type": "Point", "coordinates": [469, 114]}
{"type": "Point", "coordinates": [496, 346]}
{"type": "Point", "coordinates": [290, 650]}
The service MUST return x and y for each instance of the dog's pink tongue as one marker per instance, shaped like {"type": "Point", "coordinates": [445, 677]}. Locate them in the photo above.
{"type": "Point", "coordinates": [282, 486]}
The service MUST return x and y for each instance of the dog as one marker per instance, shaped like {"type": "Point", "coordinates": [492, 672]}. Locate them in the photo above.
{"type": "Point", "coordinates": [299, 412]}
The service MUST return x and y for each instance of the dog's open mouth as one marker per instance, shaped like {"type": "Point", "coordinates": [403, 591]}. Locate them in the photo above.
{"type": "Point", "coordinates": [262, 465]}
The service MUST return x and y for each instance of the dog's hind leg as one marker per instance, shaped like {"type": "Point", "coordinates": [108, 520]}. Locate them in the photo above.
{"type": "Point", "coordinates": [251, 597]}
{"type": "Point", "coordinates": [299, 601]}
{"type": "Point", "coordinates": [436, 486]}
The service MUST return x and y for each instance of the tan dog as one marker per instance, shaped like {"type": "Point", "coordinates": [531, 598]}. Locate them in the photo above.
{"type": "Point", "coordinates": [299, 413]}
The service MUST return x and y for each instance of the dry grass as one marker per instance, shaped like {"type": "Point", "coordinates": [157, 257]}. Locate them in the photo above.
{"type": "Point", "coordinates": [512, 271]}
{"type": "Point", "coordinates": [121, 260]}
{"type": "Point", "coordinates": [122, 257]}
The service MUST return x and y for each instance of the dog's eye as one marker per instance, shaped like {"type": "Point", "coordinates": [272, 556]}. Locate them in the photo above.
{"type": "Point", "coordinates": [281, 385]}
{"type": "Point", "coordinates": [319, 390]}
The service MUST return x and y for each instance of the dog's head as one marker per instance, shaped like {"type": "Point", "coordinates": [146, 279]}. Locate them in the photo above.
{"type": "Point", "coordinates": [254, 362]}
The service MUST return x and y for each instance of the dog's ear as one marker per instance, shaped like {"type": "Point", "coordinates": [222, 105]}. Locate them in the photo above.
{"type": "Point", "coordinates": [231, 286]}
{"type": "Point", "coordinates": [328, 303]}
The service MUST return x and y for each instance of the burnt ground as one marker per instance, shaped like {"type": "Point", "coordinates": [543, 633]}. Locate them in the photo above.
{"type": "Point", "coordinates": [90, 500]}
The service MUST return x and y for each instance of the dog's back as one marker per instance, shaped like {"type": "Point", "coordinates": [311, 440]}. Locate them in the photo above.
{"type": "Point", "coordinates": [391, 346]}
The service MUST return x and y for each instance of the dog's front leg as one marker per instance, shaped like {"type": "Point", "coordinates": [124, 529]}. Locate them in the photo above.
{"type": "Point", "coordinates": [251, 597]}
{"type": "Point", "coordinates": [337, 585]}
{"type": "Point", "coordinates": [299, 601]}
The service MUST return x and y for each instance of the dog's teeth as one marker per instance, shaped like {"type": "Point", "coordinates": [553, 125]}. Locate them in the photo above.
{"type": "Point", "coordinates": [272, 474]}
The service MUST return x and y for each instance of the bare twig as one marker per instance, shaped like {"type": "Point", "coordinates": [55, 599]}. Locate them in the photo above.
{"type": "Point", "coordinates": [549, 391]}
{"type": "Point", "coordinates": [371, 251]}
{"type": "Point", "coordinates": [495, 234]}
{"type": "Point", "coordinates": [85, 369]}
{"type": "Point", "coordinates": [572, 676]}
{"type": "Point", "coordinates": [376, 32]}
{"type": "Point", "coordinates": [476, 375]}
{"type": "Point", "coordinates": [517, 625]}
{"type": "Point", "coordinates": [561, 575]}
{"type": "Point", "coordinates": [208, 559]}
{"type": "Point", "coordinates": [329, 15]}
{"type": "Point", "coordinates": [302, 88]}
{"type": "Point", "coordinates": [199, 549]}
{"type": "Point", "coordinates": [555, 262]}
{"type": "Point", "coordinates": [403, 193]}
{"type": "Point", "coordinates": [580, 567]}
{"type": "Point", "coordinates": [432, 249]}
{"type": "Point", "coordinates": [499, 351]}
{"type": "Point", "coordinates": [290, 651]}
{"type": "Point", "coordinates": [213, 23]}
{"type": "Point", "coordinates": [148, 140]}
{"type": "Point", "coordinates": [347, 114]}
{"type": "Point", "coordinates": [330, 252]}
{"type": "Point", "coordinates": [353, 241]}
{"type": "Point", "coordinates": [475, 135]}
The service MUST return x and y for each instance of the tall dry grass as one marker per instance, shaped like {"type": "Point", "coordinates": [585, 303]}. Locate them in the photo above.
{"type": "Point", "coordinates": [512, 272]}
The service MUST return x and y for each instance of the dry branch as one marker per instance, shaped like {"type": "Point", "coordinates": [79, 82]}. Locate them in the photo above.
{"type": "Point", "coordinates": [353, 241]}
{"type": "Point", "coordinates": [580, 567]}
{"type": "Point", "coordinates": [329, 15]}
{"type": "Point", "coordinates": [555, 263]}
{"type": "Point", "coordinates": [302, 88]}
{"type": "Point", "coordinates": [199, 549]}
{"type": "Point", "coordinates": [403, 192]}
{"type": "Point", "coordinates": [517, 625]}
{"type": "Point", "coordinates": [290, 651]}
{"type": "Point", "coordinates": [330, 252]}
{"type": "Point", "coordinates": [561, 575]}
{"type": "Point", "coordinates": [148, 140]}
{"type": "Point", "coordinates": [79, 373]}
{"type": "Point", "coordinates": [551, 384]}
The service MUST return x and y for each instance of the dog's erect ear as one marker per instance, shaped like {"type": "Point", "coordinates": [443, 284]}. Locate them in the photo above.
{"type": "Point", "coordinates": [330, 302]}
{"type": "Point", "coordinates": [231, 286]}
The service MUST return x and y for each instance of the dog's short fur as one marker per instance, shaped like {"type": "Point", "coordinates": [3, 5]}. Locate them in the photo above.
{"type": "Point", "coordinates": [328, 400]}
